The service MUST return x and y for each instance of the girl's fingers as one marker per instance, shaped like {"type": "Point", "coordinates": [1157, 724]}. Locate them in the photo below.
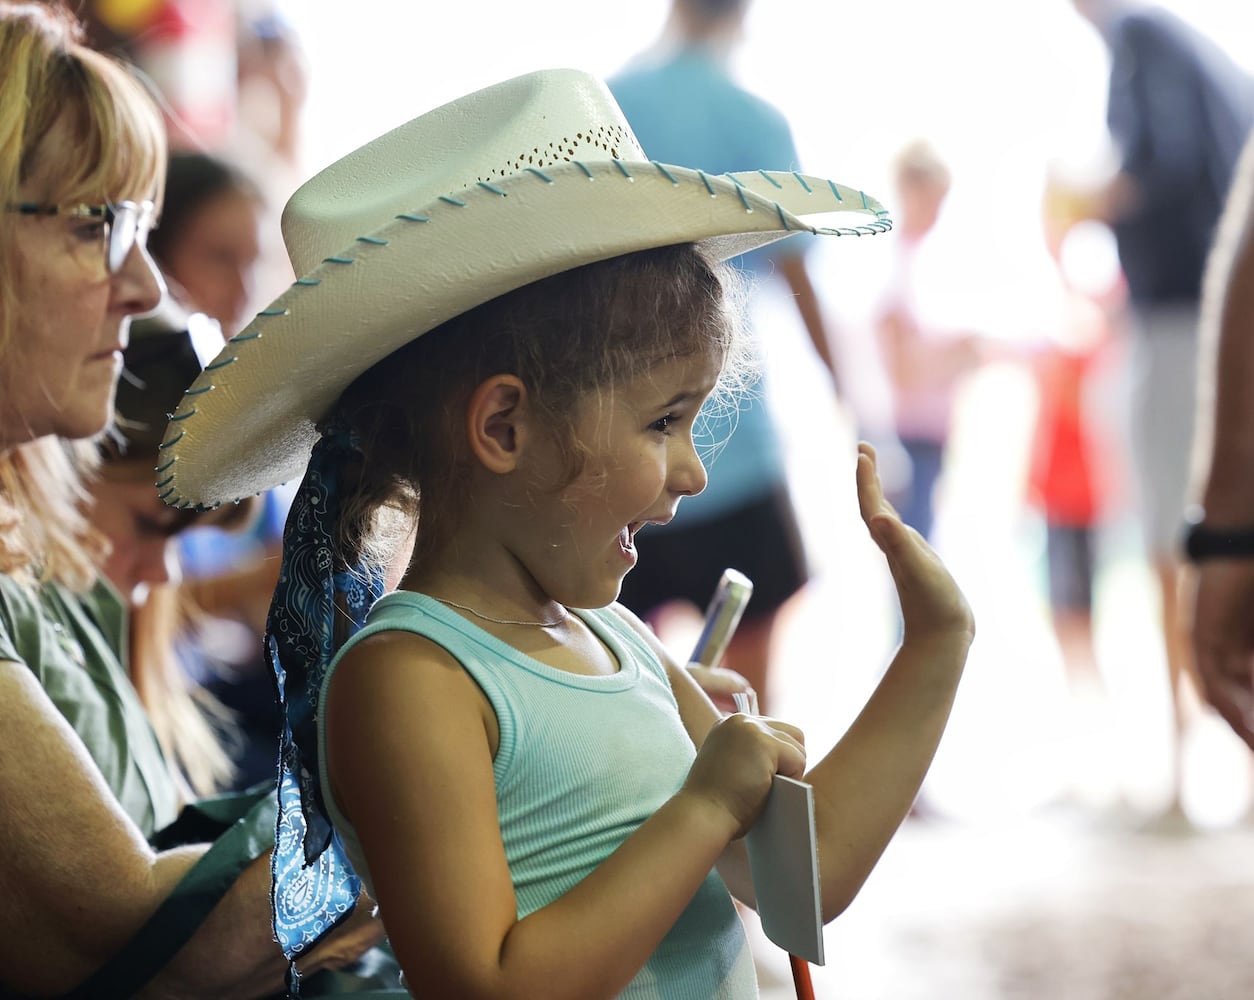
{"type": "Point", "coordinates": [929, 596]}
{"type": "Point", "coordinates": [870, 493]}
{"type": "Point", "coordinates": [791, 761]}
{"type": "Point", "coordinates": [882, 521]}
{"type": "Point", "coordinates": [787, 730]}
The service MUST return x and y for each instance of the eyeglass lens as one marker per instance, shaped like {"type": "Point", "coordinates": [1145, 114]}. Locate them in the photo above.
{"type": "Point", "coordinates": [128, 224]}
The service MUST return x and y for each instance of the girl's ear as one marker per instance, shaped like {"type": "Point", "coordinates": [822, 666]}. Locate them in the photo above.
{"type": "Point", "coordinates": [494, 422]}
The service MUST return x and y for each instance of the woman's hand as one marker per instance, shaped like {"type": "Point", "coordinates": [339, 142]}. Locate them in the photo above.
{"type": "Point", "coordinates": [737, 762]}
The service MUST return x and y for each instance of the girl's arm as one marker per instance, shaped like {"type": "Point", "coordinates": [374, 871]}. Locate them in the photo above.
{"type": "Point", "coordinates": [410, 740]}
{"type": "Point", "coordinates": [865, 785]}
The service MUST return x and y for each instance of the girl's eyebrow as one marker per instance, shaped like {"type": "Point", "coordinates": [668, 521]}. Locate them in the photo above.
{"type": "Point", "coordinates": [684, 396]}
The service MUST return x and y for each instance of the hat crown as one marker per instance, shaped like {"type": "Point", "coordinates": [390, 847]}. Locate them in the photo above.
{"type": "Point", "coordinates": [533, 121]}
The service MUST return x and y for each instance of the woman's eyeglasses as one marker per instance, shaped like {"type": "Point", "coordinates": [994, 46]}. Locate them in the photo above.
{"type": "Point", "coordinates": [126, 223]}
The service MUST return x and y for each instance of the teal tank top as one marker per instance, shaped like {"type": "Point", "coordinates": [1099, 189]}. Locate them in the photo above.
{"type": "Point", "coordinates": [582, 762]}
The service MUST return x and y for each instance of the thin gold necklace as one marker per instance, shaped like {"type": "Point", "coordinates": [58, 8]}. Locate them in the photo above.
{"type": "Point", "coordinates": [503, 621]}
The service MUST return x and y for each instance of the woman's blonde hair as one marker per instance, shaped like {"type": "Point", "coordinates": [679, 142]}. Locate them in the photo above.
{"type": "Point", "coordinates": [191, 724]}
{"type": "Point", "coordinates": [55, 86]}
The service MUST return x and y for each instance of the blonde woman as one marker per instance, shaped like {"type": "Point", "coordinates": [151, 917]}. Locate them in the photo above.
{"type": "Point", "coordinates": [82, 777]}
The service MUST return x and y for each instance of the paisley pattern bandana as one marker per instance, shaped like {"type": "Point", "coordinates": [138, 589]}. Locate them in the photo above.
{"type": "Point", "coordinates": [313, 885]}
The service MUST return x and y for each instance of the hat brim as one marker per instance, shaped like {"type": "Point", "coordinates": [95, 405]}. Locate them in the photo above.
{"type": "Point", "coordinates": [247, 423]}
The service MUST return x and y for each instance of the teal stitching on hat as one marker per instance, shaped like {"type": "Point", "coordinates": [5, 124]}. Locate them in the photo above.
{"type": "Point", "coordinates": [864, 201]}
{"type": "Point", "coordinates": [622, 169]}
{"type": "Point", "coordinates": [165, 482]}
{"type": "Point", "coordinates": [706, 181]}
{"type": "Point", "coordinates": [493, 188]}
{"type": "Point", "coordinates": [337, 260]}
{"type": "Point", "coordinates": [201, 391]}
{"type": "Point", "coordinates": [740, 190]}
{"type": "Point", "coordinates": [779, 210]}
{"type": "Point", "coordinates": [372, 240]}
{"type": "Point", "coordinates": [539, 173]}
{"type": "Point", "coordinates": [771, 179]}
{"type": "Point", "coordinates": [452, 201]}
{"type": "Point", "coordinates": [413, 218]}
{"type": "Point", "coordinates": [172, 442]}
{"type": "Point", "coordinates": [802, 181]}
{"type": "Point", "coordinates": [586, 171]}
{"type": "Point", "coordinates": [307, 281]}
{"type": "Point", "coordinates": [835, 190]}
{"type": "Point", "coordinates": [220, 364]}
{"type": "Point", "coordinates": [272, 312]}
{"type": "Point", "coordinates": [161, 468]}
{"type": "Point", "coordinates": [665, 173]}
{"type": "Point", "coordinates": [175, 418]}
{"type": "Point", "coordinates": [162, 496]}
{"type": "Point", "coordinates": [255, 334]}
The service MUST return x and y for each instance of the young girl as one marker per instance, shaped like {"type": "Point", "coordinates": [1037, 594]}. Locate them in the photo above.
{"type": "Point", "coordinates": [507, 373]}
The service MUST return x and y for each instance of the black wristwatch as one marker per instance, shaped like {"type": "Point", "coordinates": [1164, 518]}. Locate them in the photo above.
{"type": "Point", "coordinates": [1202, 542]}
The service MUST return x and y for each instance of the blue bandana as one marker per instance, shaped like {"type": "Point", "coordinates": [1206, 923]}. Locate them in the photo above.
{"type": "Point", "coordinates": [313, 886]}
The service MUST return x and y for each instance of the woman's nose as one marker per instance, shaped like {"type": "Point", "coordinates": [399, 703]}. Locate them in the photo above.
{"type": "Point", "coordinates": [140, 284]}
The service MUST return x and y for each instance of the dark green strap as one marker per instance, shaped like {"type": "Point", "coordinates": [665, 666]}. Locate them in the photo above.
{"type": "Point", "coordinates": [249, 836]}
{"type": "Point", "coordinates": [205, 820]}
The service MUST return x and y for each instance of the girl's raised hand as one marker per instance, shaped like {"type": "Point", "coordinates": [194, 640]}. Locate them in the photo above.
{"type": "Point", "coordinates": [737, 762]}
{"type": "Point", "coordinates": [931, 603]}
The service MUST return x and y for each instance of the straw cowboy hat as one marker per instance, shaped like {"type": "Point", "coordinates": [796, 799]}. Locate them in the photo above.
{"type": "Point", "coordinates": [510, 184]}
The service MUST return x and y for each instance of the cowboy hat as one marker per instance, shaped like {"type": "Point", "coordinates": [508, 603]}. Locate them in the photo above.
{"type": "Point", "coordinates": [508, 185]}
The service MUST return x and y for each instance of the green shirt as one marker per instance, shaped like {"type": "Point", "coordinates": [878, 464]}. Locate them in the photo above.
{"type": "Point", "coordinates": [75, 644]}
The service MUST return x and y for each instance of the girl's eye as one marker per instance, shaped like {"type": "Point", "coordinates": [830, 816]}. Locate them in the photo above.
{"type": "Point", "coordinates": [662, 425]}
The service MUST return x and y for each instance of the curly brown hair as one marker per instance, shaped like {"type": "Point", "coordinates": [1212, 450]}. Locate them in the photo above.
{"type": "Point", "coordinates": [574, 333]}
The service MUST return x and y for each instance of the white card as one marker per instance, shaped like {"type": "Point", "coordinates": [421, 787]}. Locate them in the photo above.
{"type": "Point", "coordinates": [783, 859]}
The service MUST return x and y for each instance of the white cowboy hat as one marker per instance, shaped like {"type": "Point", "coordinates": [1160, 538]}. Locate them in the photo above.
{"type": "Point", "coordinates": [510, 184]}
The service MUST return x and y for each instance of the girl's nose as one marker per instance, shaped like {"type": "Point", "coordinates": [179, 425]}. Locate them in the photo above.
{"type": "Point", "coordinates": [687, 475]}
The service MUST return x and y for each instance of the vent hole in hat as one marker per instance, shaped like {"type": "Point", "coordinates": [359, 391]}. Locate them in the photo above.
{"type": "Point", "coordinates": [594, 144]}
